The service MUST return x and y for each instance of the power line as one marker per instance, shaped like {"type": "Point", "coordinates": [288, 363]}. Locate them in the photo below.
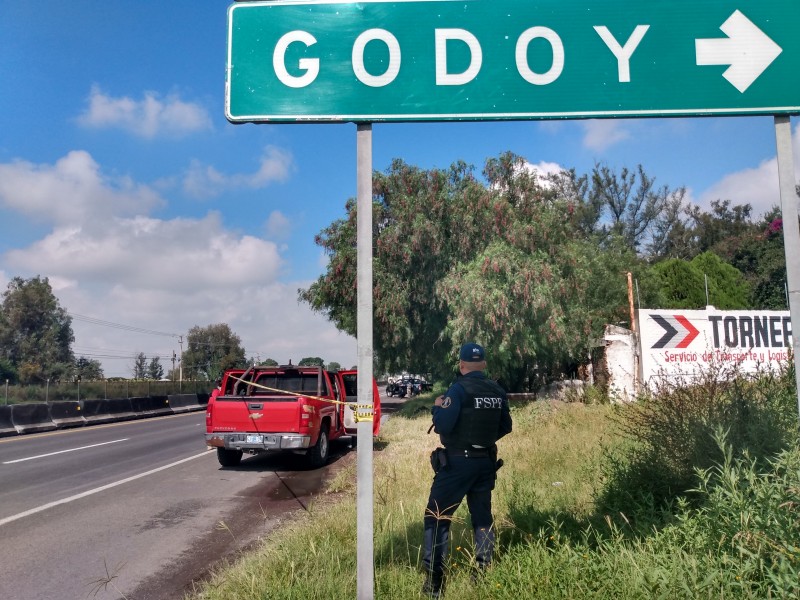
{"type": "Point", "coordinates": [94, 321]}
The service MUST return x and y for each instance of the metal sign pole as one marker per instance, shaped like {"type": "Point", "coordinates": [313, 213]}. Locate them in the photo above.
{"type": "Point", "coordinates": [791, 233]}
{"type": "Point", "coordinates": [364, 508]}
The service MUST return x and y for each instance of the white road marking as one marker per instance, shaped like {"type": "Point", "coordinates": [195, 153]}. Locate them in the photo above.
{"type": "Point", "coordinates": [19, 460]}
{"type": "Point", "coordinates": [103, 488]}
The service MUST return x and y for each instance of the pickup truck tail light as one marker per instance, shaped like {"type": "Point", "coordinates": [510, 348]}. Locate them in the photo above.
{"type": "Point", "coordinates": [306, 413]}
{"type": "Point", "coordinates": [209, 410]}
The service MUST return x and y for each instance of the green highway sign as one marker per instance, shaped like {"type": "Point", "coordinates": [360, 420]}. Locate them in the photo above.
{"type": "Point", "coordinates": [440, 60]}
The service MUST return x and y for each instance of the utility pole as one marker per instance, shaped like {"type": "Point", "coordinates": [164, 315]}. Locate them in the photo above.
{"type": "Point", "coordinates": [180, 363]}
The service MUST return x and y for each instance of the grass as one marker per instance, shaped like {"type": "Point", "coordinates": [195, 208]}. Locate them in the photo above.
{"type": "Point", "coordinates": [738, 538]}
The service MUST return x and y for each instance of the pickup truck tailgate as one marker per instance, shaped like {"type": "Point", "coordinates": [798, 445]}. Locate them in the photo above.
{"type": "Point", "coordinates": [256, 414]}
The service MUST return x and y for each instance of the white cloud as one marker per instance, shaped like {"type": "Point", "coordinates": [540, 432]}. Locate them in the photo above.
{"type": "Point", "coordinates": [543, 169]}
{"type": "Point", "coordinates": [268, 319]}
{"type": "Point", "coordinates": [71, 191]}
{"type": "Point", "coordinates": [278, 226]}
{"type": "Point", "coordinates": [177, 255]}
{"type": "Point", "coordinates": [204, 181]}
{"type": "Point", "coordinates": [601, 134]}
{"type": "Point", "coordinates": [106, 258]}
{"type": "Point", "coordinates": [757, 186]}
{"type": "Point", "coordinates": [149, 117]}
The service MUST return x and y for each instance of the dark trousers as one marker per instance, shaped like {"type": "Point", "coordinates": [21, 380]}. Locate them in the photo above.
{"type": "Point", "coordinates": [470, 477]}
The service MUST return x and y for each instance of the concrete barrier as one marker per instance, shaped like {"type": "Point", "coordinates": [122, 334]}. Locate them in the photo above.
{"type": "Point", "coordinates": [36, 417]}
{"type": "Point", "coordinates": [180, 403]}
{"type": "Point", "coordinates": [67, 413]}
{"type": "Point", "coordinates": [6, 425]}
{"type": "Point", "coordinates": [151, 406]}
{"type": "Point", "coordinates": [121, 409]}
{"type": "Point", "coordinates": [97, 411]}
{"type": "Point", "coordinates": [32, 417]}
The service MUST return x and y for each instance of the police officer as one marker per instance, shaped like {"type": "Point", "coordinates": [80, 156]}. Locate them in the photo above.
{"type": "Point", "coordinates": [469, 418]}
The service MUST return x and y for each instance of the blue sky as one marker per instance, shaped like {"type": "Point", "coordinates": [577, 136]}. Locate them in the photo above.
{"type": "Point", "coordinates": [121, 180]}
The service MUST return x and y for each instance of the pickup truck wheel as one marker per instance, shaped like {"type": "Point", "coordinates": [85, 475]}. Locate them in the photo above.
{"type": "Point", "coordinates": [318, 455]}
{"type": "Point", "coordinates": [229, 458]}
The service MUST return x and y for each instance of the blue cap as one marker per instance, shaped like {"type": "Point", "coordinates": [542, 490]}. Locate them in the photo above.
{"type": "Point", "coordinates": [472, 352]}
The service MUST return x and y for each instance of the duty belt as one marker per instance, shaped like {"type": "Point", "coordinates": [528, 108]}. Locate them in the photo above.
{"type": "Point", "coordinates": [470, 452]}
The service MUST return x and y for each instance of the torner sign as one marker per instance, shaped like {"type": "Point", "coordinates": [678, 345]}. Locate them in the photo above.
{"type": "Point", "coordinates": [679, 343]}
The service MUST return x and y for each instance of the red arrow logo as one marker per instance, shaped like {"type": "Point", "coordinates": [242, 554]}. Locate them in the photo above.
{"type": "Point", "coordinates": [692, 331]}
{"type": "Point", "coordinates": [671, 326]}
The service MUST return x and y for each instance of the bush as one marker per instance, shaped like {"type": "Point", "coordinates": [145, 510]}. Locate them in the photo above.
{"type": "Point", "coordinates": [749, 522]}
{"type": "Point", "coordinates": [669, 435]}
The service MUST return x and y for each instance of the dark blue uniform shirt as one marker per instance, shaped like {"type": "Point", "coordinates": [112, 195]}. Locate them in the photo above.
{"type": "Point", "coordinates": [445, 417]}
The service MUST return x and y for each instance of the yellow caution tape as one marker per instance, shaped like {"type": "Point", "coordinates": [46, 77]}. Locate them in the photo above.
{"type": "Point", "coordinates": [356, 407]}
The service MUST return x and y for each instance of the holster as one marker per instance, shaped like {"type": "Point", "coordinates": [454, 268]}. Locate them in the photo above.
{"type": "Point", "coordinates": [439, 459]}
{"type": "Point", "coordinates": [498, 463]}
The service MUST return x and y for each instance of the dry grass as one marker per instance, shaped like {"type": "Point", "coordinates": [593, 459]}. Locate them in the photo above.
{"type": "Point", "coordinates": [550, 469]}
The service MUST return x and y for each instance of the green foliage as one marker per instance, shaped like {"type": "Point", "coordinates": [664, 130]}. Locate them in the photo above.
{"type": "Point", "coordinates": [760, 256]}
{"type": "Point", "coordinates": [210, 351]}
{"type": "Point", "coordinates": [631, 204]}
{"type": "Point", "coordinates": [748, 520]}
{"type": "Point", "coordinates": [727, 288]}
{"type": "Point", "coordinates": [682, 284]}
{"type": "Point", "coordinates": [671, 433]}
{"type": "Point", "coordinates": [35, 332]}
{"type": "Point", "coordinates": [88, 369]}
{"type": "Point", "coordinates": [311, 361]}
{"type": "Point", "coordinates": [507, 263]}
{"type": "Point", "coordinates": [139, 369]}
{"type": "Point", "coordinates": [155, 370]}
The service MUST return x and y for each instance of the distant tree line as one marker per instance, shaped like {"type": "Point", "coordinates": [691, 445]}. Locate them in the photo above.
{"type": "Point", "coordinates": [535, 267]}
{"type": "Point", "coordinates": [36, 340]}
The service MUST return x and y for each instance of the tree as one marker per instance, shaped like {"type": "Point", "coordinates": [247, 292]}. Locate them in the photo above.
{"type": "Point", "coordinates": [761, 258]}
{"type": "Point", "coordinates": [633, 211]}
{"type": "Point", "coordinates": [311, 361]}
{"type": "Point", "coordinates": [155, 370]}
{"type": "Point", "coordinates": [727, 288]}
{"type": "Point", "coordinates": [513, 264]}
{"type": "Point", "coordinates": [139, 369]}
{"type": "Point", "coordinates": [211, 350]}
{"type": "Point", "coordinates": [88, 369]}
{"type": "Point", "coordinates": [35, 332]}
{"type": "Point", "coordinates": [425, 221]}
{"type": "Point", "coordinates": [721, 229]}
{"type": "Point", "coordinates": [683, 283]}
{"type": "Point", "coordinates": [333, 366]}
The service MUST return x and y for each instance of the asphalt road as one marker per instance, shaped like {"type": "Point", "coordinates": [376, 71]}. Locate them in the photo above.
{"type": "Point", "coordinates": [138, 509]}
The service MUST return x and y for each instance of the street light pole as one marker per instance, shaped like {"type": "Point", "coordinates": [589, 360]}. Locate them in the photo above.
{"type": "Point", "coordinates": [180, 365]}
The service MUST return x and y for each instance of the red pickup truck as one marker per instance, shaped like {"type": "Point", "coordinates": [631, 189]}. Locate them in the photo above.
{"type": "Point", "coordinates": [287, 408]}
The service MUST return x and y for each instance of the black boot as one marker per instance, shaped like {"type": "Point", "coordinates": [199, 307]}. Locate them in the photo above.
{"type": "Point", "coordinates": [484, 548]}
{"type": "Point", "coordinates": [433, 585]}
{"type": "Point", "coordinates": [434, 555]}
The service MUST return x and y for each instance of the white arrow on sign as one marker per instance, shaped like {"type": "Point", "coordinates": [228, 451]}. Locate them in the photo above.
{"type": "Point", "coordinates": [748, 51]}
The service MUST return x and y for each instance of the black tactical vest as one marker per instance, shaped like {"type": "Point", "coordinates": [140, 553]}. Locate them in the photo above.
{"type": "Point", "coordinates": [479, 421]}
